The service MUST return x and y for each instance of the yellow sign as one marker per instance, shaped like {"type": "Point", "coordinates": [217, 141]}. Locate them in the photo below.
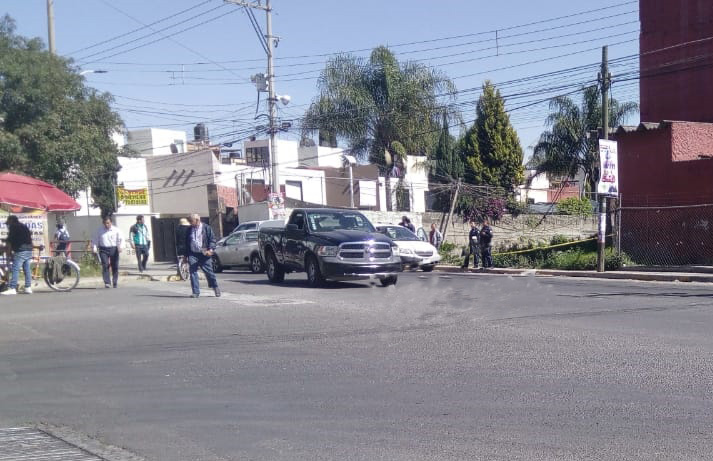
{"type": "Point", "coordinates": [131, 197]}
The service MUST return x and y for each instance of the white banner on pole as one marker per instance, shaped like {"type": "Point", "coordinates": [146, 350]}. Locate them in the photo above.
{"type": "Point", "coordinates": [608, 167]}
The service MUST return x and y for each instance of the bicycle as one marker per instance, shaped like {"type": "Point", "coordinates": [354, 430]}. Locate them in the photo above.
{"type": "Point", "coordinates": [65, 278]}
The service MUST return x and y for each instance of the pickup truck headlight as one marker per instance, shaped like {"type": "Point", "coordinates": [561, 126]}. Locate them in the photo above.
{"type": "Point", "coordinates": [323, 250]}
{"type": "Point", "coordinates": [396, 251]}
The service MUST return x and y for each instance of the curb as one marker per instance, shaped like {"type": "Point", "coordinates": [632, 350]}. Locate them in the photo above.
{"type": "Point", "coordinates": [614, 275]}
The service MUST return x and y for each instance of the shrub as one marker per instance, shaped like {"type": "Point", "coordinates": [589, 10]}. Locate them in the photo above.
{"type": "Point", "coordinates": [575, 206]}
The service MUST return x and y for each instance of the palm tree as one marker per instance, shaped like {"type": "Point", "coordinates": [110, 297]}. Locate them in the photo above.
{"type": "Point", "coordinates": [568, 148]}
{"type": "Point", "coordinates": [381, 108]}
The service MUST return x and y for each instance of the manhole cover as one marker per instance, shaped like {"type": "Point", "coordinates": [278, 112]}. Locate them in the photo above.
{"type": "Point", "coordinates": [25, 443]}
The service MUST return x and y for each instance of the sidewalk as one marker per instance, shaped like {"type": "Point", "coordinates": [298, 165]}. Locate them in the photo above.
{"type": "Point", "coordinates": [157, 272]}
{"type": "Point", "coordinates": [697, 274]}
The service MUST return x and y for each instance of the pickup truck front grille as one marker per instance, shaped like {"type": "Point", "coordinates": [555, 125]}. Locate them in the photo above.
{"type": "Point", "coordinates": [364, 251]}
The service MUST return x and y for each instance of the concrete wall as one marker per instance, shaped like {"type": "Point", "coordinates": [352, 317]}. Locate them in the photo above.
{"type": "Point", "coordinates": [675, 83]}
{"type": "Point", "coordinates": [520, 229]}
{"type": "Point", "coordinates": [321, 156]}
{"type": "Point", "coordinates": [177, 184]}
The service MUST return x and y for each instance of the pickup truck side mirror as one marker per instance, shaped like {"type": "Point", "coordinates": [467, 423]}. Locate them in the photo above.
{"type": "Point", "coordinates": [291, 228]}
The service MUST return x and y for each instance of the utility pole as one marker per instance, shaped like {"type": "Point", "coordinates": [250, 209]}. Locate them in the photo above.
{"type": "Point", "coordinates": [450, 213]}
{"type": "Point", "coordinates": [50, 26]}
{"type": "Point", "coordinates": [272, 97]}
{"type": "Point", "coordinates": [605, 81]}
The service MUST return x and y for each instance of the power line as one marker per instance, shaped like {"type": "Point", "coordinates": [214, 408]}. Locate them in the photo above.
{"type": "Point", "coordinates": [126, 34]}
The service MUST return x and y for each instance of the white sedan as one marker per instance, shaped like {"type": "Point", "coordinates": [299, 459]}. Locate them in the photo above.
{"type": "Point", "coordinates": [414, 252]}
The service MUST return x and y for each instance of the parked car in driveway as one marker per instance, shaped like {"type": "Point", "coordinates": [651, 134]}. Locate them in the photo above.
{"type": "Point", "coordinates": [239, 249]}
{"type": "Point", "coordinates": [414, 252]}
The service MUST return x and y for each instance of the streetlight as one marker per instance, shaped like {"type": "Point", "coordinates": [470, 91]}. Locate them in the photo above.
{"type": "Point", "coordinates": [91, 71]}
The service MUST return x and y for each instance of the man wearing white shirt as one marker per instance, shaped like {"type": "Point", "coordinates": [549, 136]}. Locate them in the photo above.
{"type": "Point", "coordinates": [107, 242]}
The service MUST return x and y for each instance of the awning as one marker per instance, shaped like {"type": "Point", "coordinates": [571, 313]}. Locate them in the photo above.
{"type": "Point", "coordinates": [18, 190]}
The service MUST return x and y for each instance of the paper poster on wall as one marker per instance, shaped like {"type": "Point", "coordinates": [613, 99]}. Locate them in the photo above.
{"type": "Point", "coordinates": [35, 220]}
{"type": "Point", "coordinates": [609, 168]}
{"type": "Point", "coordinates": [276, 206]}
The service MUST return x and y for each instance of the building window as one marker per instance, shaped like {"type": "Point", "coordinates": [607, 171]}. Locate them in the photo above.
{"type": "Point", "coordinates": [256, 155]}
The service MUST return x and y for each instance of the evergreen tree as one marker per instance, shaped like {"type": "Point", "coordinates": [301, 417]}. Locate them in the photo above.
{"type": "Point", "coordinates": [491, 146]}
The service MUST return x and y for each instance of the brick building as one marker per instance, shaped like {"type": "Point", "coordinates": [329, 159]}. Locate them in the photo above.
{"type": "Point", "coordinates": [666, 162]}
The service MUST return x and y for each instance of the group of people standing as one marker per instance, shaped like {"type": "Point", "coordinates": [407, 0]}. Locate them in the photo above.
{"type": "Point", "coordinates": [479, 244]}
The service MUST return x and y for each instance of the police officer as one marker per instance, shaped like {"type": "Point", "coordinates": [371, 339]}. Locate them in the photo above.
{"type": "Point", "coordinates": [472, 248]}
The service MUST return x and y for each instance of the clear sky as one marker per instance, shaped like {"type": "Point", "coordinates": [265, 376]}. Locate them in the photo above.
{"type": "Point", "coordinates": [194, 60]}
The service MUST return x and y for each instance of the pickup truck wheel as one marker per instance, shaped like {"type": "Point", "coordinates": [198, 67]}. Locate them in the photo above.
{"type": "Point", "coordinates": [256, 264]}
{"type": "Point", "coordinates": [388, 281]}
{"type": "Point", "coordinates": [314, 275]}
{"type": "Point", "coordinates": [217, 267]}
{"type": "Point", "coordinates": [275, 272]}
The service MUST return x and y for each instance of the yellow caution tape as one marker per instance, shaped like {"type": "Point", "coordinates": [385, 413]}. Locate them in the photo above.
{"type": "Point", "coordinates": [547, 247]}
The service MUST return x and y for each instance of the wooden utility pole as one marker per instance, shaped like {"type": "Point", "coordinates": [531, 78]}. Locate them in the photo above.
{"type": "Point", "coordinates": [450, 213]}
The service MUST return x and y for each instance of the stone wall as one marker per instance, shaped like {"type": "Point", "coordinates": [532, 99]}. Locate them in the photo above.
{"type": "Point", "coordinates": [519, 229]}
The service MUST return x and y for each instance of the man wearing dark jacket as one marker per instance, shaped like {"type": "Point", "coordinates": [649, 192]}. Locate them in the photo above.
{"type": "Point", "coordinates": [19, 239]}
{"type": "Point", "coordinates": [472, 248]}
{"type": "Point", "coordinates": [486, 237]}
{"type": "Point", "coordinates": [200, 244]}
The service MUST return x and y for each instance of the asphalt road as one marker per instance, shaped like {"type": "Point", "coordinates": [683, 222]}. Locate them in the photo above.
{"type": "Point", "coordinates": [440, 367]}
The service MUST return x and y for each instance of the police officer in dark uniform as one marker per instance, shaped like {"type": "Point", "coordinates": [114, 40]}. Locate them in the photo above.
{"type": "Point", "coordinates": [486, 237]}
{"type": "Point", "coordinates": [472, 248]}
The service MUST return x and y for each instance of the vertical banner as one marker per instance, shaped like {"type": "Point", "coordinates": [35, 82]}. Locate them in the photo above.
{"type": "Point", "coordinates": [276, 206]}
{"type": "Point", "coordinates": [608, 168]}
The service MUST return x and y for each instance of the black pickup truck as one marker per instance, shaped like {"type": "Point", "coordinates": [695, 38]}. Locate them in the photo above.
{"type": "Point", "coordinates": [329, 244]}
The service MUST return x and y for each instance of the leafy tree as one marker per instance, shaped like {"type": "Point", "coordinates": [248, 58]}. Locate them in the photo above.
{"type": "Point", "coordinates": [382, 108]}
{"type": "Point", "coordinates": [568, 147]}
{"type": "Point", "coordinates": [491, 146]}
{"type": "Point", "coordinates": [52, 127]}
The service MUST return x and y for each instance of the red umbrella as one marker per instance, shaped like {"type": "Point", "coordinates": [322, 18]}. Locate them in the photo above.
{"type": "Point", "coordinates": [28, 192]}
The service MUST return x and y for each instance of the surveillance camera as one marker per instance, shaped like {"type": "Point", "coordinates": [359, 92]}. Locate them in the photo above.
{"type": "Point", "coordinates": [285, 99]}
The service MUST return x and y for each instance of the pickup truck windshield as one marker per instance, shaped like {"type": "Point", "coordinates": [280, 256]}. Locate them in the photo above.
{"type": "Point", "coordinates": [333, 220]}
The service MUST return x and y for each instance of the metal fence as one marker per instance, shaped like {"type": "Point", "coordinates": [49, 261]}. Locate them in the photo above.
{"type": "Point", "coordinates": [667, 235]}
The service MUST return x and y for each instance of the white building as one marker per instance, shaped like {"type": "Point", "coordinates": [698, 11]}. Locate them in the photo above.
{"type": "Point", "coordinates": [151, 142]}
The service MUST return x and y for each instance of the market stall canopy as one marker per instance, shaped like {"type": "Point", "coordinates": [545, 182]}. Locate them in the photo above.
{"type": "Point", "coordinates": [18, 190]}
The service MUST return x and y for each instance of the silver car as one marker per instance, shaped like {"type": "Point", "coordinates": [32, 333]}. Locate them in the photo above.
{"type": "Point", "coordinates": [239, 249]}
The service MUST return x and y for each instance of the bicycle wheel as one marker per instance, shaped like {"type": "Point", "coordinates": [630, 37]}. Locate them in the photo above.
{"type": "Point", "coordinates": [70, 279]}
{"type": "Point", "coordinates": [183, 270]}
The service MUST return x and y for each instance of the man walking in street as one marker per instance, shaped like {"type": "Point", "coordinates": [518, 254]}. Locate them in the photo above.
{"type": "Point", "coordinates": [472, 248]}
{"type": "Point", "coordinates": [140, 242]}
{"type": "Point", "coordinates": [486, 237]}
{"type": "Point", "coordinates": [199, 248]}
{"type": "Point", "coordinates": [107, 241]}
{"type": "Point", "coordinates": [19, 240]}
